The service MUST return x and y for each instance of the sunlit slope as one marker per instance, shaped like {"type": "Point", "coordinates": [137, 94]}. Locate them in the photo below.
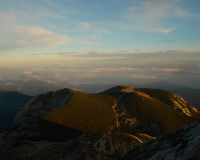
{"type": "Point", "coordinates": [85, 112]}
{"type": "Point", "coordinates": [125, 110]}
{"type": "Point", "coordinates": [173, 100]}
{"type": "Point", "coordinates": [150, 111]}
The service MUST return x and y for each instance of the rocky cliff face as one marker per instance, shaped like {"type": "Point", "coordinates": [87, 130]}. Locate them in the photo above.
{"type": "Point", "coordinates": [180, 144]}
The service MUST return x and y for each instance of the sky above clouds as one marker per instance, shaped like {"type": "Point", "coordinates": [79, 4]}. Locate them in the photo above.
{"type": "Point", "coordinates": [107, 41]}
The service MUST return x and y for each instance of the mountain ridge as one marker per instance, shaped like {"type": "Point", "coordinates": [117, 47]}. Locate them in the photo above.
{"type": "Point", "coordinates": [139, 113]}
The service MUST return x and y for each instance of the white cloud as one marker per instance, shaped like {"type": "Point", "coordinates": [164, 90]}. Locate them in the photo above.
{"type": "Point", "coordinates": [95, 37]}
{"type": "Point", "coordinates": [186, 14]}
{"type": "Point", "coordinates": [1, 79]}
{"type": "Point", "coordinates": [84, 25]}
{"type": "Point", "coordinates": [6, 19]}
{"type": "Point", "coordinates": [102, 30]}
{"type": "Point", "coordinates": [140, 76]}
{"type": "Point", "coordinates": [160, 30]}
{"type": "Point", "coordinates": [168, 69]}
{"type": "Point", "coordinates": [63, 79]}
{"type": "Point", "coordinates": [89, 75]}
{"type": "Point", "coordinates": [66, 53]}
{"type": "Point", "coordinates": [150, 29]}
{"type": "Point", "coordinates": [151, 10]}
{"type": "Point", "coordinates": [120, 69]}
{"type": "Point", "coordinates": [28, 73]}
{"type": "Point", "coordinates": [30, 38]}
{"type": "Point", "coordinates": [51, 82]}
{"type": "Point", "coordinates": [134, 76]}
{"type": "Point", "coordinates": [171, 69]}
{"type": "Point", "coordinates": [83, 41]}
{"type": "Point", "coordinates": [57, 76]}
{"type": "Point", "coordinates": [31, 75]}
{"type": "Point", "coordinates": [49, 2]}
{"type": "Point", "coordinates": [147, 15]}
{"type": "Point", "coordinates": [9, 84]}
{"type": "Point", "coordinates": [53, 15]}
{"type": "Point", "coordinates": [36, 69]}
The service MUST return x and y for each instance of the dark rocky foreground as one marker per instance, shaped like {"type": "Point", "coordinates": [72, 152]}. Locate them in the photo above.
{"type": "Point", "coordinates": [182, 144]}
{"type": "Point", "coordinates": [95, 146]}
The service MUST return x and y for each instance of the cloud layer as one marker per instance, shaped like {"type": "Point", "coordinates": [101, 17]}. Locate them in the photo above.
{"type": "Point", "coordinates": [30, 37]}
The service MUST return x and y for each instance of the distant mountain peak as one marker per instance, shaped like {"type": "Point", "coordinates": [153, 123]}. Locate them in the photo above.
{"type": "Point", "coordinates": [3, 88]}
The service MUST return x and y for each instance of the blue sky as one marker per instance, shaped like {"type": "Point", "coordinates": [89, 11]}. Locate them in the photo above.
{"type": "Point", "coordinates": [136, 37]}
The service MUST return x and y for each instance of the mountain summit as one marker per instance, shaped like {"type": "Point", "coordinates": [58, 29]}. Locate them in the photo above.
{"type": "Point", "coordinates": [136, 114]}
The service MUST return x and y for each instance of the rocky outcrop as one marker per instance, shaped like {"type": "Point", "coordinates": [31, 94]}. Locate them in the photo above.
{"type": "Point", "coordinates": [93, 146]}
{"type": "Point", "coordinates": [25, 125]}
{"type": "Point", "coordinates": [148, 110]}
{"type": "Point", "coordinates": [39, 106]}
{"type": "Point", "coordinates": [181, 144]}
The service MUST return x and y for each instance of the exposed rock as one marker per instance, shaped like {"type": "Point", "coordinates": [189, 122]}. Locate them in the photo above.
{"type": "Point", "coordinates": [181, 144]}
{"type": "Point", "coordinates": [39, 106]}
{"type": "Point", "coordinates": [143, 110]}
{"type": "Point", "coordinates": [25, 125]}
{"type": "Point", "coordinates": [93, 146]}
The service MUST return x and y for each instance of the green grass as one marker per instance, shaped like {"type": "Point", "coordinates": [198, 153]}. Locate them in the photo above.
{"type": "Point", "coordinates": [85, 112]}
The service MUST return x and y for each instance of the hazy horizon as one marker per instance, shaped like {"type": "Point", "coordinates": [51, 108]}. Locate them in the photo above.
{"type": "Point", "coordinates": [107, 42]}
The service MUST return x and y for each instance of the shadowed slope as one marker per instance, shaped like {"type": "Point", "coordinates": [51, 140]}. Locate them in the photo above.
{"type": "Point", "coordinates": [10, 103]}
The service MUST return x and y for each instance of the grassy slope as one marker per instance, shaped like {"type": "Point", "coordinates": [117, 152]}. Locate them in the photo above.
{"type": "Point", "coordinates": [85, 112]}
{"type": "Point", "coordinates": [94, 113]}
{"type": "Point", "coordinates": [166, 96]}
{"type": "Point", "coordinates": [149, 110]}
